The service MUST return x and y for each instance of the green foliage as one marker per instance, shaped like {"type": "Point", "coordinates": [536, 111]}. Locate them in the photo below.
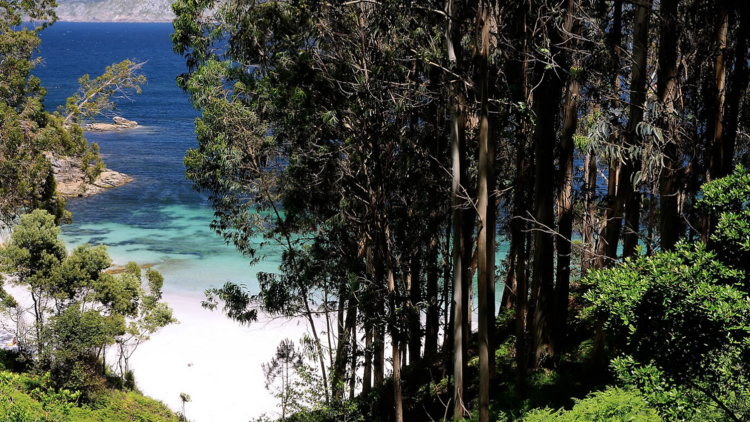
{"type": "Point", "coordinates": [680, 320]}
{"type": "Point", "coordinates": [35, 250]}
{"type": "Point", "coordinates": [78, 309]}
{"type": "Point", "coordinates": [96, 97]}
{"type": "Point", "coordinates": [42, 403]}
{"type": "Point", "coordinates": [27, 131]}
{"type": "Point", "coordinates": [611, 405]}
{"type": "Point", "coordinates": [28, 398]}
{"type": "Point", "coordinates": [728, 199]}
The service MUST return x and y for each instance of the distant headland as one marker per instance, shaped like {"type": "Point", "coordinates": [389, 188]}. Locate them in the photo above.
{"type": "Point", "coordinates": [146, 11]}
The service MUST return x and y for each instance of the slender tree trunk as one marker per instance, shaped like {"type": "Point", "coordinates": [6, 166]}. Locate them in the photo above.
{"type": "Point", "coordinates": [651, 222]}
{"type": "Point", "coordinates": [459, 180]}
{"type": "Point", "coordinates": [319, 346]}
{"type": "Point", "coordinates": [565, 201]}
{"type": "Point", "coordinates": [509, 290]}
{"type": "Point", "coordinates": [491, 252]}
{"type": "Point", "coordinates": [715, 125]}
{"type": "Point", "coordinates": [737, 89]}
{"type": "Point", "coordinates": [484, 278]}
{"type": "Point", "coordinates": [367, 374]}
{"type": "Point", "coordinates": [610, 234]}
{"type": "Point", "coordinates": [397, 399]}
{"type": "Point", "coordinates": [639, 76]}
{"type": "Point", "coordinates": [379, 354]}
{"type": "Point", "coordinates": [344, 348]}
{"type": "Point", "coordinates": [328, 326]}
{"type": "Point", "coordinates": [415, 297]}
{"type": "Point", "coordinates": [588, 224]}
{"type": "Point", "coordinates": [670, 227]}
{"type": "Point", "coordinates": [368, 326]}
{"type": "Point", "coordinates": [522, 289]}
{"type": "Point", "coordinates": [470, 219]}
{"type": "Point", "coordinates": [519, 70]}
{"type": "Point", "coordinates": [448, 312]}
{"type": "Point", "coordinates": [547, 108]}
{"type": "Point", "coordinates": [432, 322]}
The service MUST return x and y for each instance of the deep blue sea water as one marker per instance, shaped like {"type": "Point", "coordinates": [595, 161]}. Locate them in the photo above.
{"type": "Point", "coordinates": [158, 218]}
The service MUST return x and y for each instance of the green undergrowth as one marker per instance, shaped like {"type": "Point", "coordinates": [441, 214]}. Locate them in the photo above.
{"type": "Point", "coordinates": [26, 397]}
{"type": "Point", "coordinates": [569, 391]}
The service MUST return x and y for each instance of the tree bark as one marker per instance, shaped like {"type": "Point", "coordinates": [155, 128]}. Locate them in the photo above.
{"type": "Point", "coordinates": [432, 322]}
{"type": "Point", "coordinates": [670, 227]}
{"type": "Point", "coordinates": [415, 297]}
{"type": "Point", "coordinates": [632, 167]}
{"type": "Point", "coordinates": [737, 89]}
{"type": "Point", "coordinates": [591, 176]}
{"type": "Point", "coordinates": [715, 125]}
{"type": "Point", "coordinates": [484, 255]}
{"type": "Point", "coordinates": [459, 179]}
{"type": "Point", "coordinates": [518, 71]}
{"type": "Point", "coordinates": [509, 289]}
{"type": "Point", "coordinates": [397, 399]}
{"type": "Point", "coordinates": [565, 199]}
{"type": "Point", "coordinates": [344, 348]}
{"type": "Point", "coordinates": [367, 374]}
{"type": "Point", "coordinates": [491, 252]}
{"type": "Point", "coordinates": [547, 108]}
{"type": "Point", "coordinates": [610, 234]}
{"type": "Point", "coordinates": [378, 366]}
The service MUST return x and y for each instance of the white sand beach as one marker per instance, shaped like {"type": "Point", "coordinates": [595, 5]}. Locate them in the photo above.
{"type": "Point", "coordinates": [214, 360]}
{"type": "Point", "coordinates": [225, 381]}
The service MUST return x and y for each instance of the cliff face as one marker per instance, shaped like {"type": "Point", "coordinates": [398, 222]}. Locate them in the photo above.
{"type": "Point", "coordinates": [71, 181]}
{"type": "Point", "coordinates": [115, 10]}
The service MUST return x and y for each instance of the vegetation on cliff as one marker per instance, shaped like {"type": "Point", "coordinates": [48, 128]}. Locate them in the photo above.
{"type": "Point", "coordinates": [30, 135]}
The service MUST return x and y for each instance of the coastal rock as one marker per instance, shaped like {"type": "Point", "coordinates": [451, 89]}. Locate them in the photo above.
{"type": "Point", "coordinates": [119, 124]}
{"type": "Point", "coordinates": [115, 10]}
{"type": "Point", "coordinates": [72, 183]}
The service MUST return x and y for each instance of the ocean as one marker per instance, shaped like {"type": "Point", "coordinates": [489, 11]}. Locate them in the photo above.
{"type": "Point", "coordinates": [157, 219]}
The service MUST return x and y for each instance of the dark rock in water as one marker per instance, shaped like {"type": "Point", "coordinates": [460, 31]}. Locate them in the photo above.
{"type": "Point", "coordinates": [119, 124]}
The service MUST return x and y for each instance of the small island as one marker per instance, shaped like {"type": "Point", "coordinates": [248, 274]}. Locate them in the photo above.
{"type": "Point", "coordinates": [118, 123]}
{"type": "Point", "coordinates": [72, 181]}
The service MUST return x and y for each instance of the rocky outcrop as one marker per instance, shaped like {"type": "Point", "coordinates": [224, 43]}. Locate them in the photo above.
{"type": "Point", "coordinates": [118, 124]}
{"type": "Point", "coordinates": [71, 181]}
{"type": "Point", "coordinates": [115, 10]}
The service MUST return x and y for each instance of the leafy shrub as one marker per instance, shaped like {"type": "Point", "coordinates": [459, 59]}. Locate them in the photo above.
{"type": "Point", "coordinates": [611, 405]}
{"type": "Point", "coordinates": [28, 398]}
{"type": "Point", "coordinates": [680, 321]}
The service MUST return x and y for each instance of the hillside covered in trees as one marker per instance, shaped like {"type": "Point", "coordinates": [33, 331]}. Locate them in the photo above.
{"type": "Point", "coordinates": [393, 149]}
{"type": "Point", "coordinates": [518, 210]}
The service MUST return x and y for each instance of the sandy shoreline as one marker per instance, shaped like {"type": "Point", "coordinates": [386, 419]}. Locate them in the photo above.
{"type": "Point", "coordinates": [225, 380]}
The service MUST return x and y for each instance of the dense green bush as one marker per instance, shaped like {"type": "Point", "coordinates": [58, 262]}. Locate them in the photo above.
{"type": "Point", "coordinates": [28, 398]}
{"type": "Point", "coordinates": [611, 405]}
{"type": "Point", "coordinates": [680, 321]}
